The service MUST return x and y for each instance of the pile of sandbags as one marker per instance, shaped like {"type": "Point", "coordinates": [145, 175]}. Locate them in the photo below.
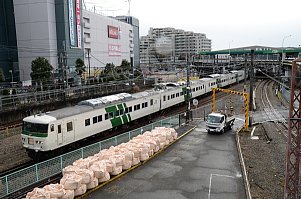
{"type": "Point", "coordinates": [87, 173]}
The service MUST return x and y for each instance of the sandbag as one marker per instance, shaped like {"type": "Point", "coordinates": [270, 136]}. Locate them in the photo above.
{"type": "Point", "coordinates": [55, 190]}
{"type": "Point", "coordinates": [80, 190]}
{"type": "Point", "coordinates": [105, 178]}
{"type": "Point", "coordinates": [98, 169]}
{"type": "Point", "coordinates": [91, 160]}
{"type": "Point", "coordinates": [109, 165]}
{"type": "Point", "coordinates": [118, 159]}
{"type": "Point", "coordinates": [69, 169]}
{"type": "Point", "coordinates": [127, 165]}
{"type": "Point", "coordinates": [68, 194]}
{"type": "Point", "coordinates": [81, 163]}
{"type": "Point", "coordinates": [136, 161]}
{"type": "Point", "coordinates": [86, 174]}
{"type": "Point", "coordinates": [144, 157]}
{"type": "Point", "coordinates": [71, 181]}
{"type": "Point", "coordinates": [93, 183]}
{"type": "Point", "coordinates": [38, 193]}
{"type": "Point", "coordinates": [116, 170]}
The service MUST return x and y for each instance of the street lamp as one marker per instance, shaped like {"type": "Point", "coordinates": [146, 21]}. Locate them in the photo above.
{"type": "Point", "coordinates": [229, 55]}
{"type": "Point", "coordinates": [129, 12]}
{"type": "Point", "coordinates": [282, 56]}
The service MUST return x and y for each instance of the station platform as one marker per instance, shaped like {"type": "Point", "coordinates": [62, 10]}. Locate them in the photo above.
{"type": "Point", "coordinates": [198, 165]}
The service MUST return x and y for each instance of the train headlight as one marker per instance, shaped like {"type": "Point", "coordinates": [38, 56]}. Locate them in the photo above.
{"type": "Point", "coordinates": [30, 141]}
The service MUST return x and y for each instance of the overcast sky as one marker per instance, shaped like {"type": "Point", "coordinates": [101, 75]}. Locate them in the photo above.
{"type": "Point", "coordinates": [235, 22]}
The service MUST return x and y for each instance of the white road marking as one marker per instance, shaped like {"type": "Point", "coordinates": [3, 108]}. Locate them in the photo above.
{"type": "Point", "coordinates": [210, 181]}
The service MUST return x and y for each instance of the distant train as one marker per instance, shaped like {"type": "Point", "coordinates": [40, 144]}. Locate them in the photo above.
{"type": "Point", "coordinates": [53, 130]}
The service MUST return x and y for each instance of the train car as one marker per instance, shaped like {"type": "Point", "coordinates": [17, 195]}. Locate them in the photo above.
{"type": "Point", "coordinates": [55, 129]}
{"type": "Point", "coordinates": [173, 94]}
{"type": "Point", "coordinates": [239, 75]}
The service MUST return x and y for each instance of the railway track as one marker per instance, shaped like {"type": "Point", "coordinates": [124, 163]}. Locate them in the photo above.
{"type": "Point", "coordinates": [272, 114]}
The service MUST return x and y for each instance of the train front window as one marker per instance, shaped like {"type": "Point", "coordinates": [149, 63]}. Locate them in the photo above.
{"type": "Point", "coordinates": [35, 128]}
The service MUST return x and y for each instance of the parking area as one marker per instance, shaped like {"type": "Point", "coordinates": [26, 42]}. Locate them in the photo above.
{"type": "Point", "coordinates": [199, 165]}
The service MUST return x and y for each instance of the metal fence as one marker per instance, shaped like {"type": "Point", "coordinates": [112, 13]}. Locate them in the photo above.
{"type": "Point", "coordinates": [29, 176]}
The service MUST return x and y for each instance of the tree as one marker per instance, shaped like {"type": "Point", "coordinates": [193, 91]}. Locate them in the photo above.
{"type": "Point", "coordinates": [41, 70]}
{"type": "Point", "coordinates": [80, 66]}
{"type": "Point", "coordinates": [125, 65]}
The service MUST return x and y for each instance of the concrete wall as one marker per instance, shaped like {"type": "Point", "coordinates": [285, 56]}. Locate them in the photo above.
{"type": "Point", "coordinates": [96, 38]}
{"type": "Point", "coordinates": [36, 33]}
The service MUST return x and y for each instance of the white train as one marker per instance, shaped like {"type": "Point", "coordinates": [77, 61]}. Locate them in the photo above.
{"type": "Point", "coordinates": [52, 130]}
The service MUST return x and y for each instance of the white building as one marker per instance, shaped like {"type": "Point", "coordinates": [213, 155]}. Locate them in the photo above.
{"type": "Point", "coordinates": [108, 40]}
{"type": "Point", "coordinates": [178, 45]}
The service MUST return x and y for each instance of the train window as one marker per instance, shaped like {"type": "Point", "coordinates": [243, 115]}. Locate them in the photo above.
{"type": "Point", "coordinates": [111, 115]}
{"type": "Point", "coordinates": [126, 110]}
{"type": "Point", "coordinates": [146, 105]}
{"type": "Point", "coordinates": [34, 127]}
{"type": "Point", "coordinates": [87, 122]}
{"type": "Point", "coordinates": [52, 127]}
{"type": "Point", "coordinates": [117, 113]}
{"type": "Point", "coordinates": [143, 105]}
{"type": "Point", "coordinates": [164, 98]}
{"type": "Point", "coordinates": [94, 120]}
{"type": "Point", "coordinates": [135, 107]}
{"type": "Point", "coordinates": [59, 129]}
{"type": "Point", "coordinates": [130, 109]}
{"type": "Point", "coordinates": [168, 97]}
{"type": "Point", "coordinates": [182, 93]}
{"type": "Point", "coordinates": [151, 102]}
{"type": "Point", "coordinates": [69, 126]}
{"type": "Point", "coordinates": [177, 94]}
{"type": "Point", "coordinates": [99, 118]}
{"type": "Point", "coordinates": [193, 90]}
{"type": "Point", "coordinates": [106, 116]}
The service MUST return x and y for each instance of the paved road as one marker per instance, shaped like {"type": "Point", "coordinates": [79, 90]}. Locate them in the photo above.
{"type": "Point", "coordinates": [197, 166]}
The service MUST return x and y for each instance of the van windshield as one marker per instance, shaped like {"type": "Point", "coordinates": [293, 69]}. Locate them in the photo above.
{"type": "Point", "coordinates": [214, 119]}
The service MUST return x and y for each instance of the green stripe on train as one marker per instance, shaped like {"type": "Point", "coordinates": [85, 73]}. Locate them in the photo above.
{"type": "Point", "coordinates": [121, 119]}
{"type": "Point", "coordinates": [35, 134]}
{"type": "Point", "coordinates": [111, 109]}
{"type": "Point", "coordinates": [184, 89]}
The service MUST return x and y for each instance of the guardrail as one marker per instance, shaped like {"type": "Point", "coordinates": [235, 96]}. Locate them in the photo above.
{"type": "Point", "coordinates": [31, 175]}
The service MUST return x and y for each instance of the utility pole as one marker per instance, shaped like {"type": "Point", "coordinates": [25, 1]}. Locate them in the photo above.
{"type": "Point", "coordinates": [89, 64]}
{"type": "Point", "coordinates": [245, 79]}
{"type": "Point", "coordinates": [187, 93]}
{"type": "Point", "coordinates": [251, 88]}
{"type": "Point", "coordinates": [65, 65]}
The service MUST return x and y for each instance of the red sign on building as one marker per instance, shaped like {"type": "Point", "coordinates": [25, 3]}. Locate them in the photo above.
{"type": "Point", "coordinates": [113, 32]}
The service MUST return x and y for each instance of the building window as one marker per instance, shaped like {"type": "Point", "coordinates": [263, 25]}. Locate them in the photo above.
{"type": "Point", "coordinates": [69, 126]}
{"type": "Point", "coordinates": [87, 122]}
{"type": "Point", "coordinates": [94, 120]}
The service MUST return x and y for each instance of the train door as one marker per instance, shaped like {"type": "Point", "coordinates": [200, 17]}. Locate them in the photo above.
{"type": "Point", "coordinates": [59, 134]}
{"type": "Point", "coordinates": [69, 132]}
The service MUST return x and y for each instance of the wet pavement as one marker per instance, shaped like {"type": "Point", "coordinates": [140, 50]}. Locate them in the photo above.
{"type": "Point", "coordinates": [199, 165]}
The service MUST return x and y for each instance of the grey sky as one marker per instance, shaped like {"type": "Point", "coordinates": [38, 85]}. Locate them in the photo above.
{"type": "Point", "coordinates": [256, 22]}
